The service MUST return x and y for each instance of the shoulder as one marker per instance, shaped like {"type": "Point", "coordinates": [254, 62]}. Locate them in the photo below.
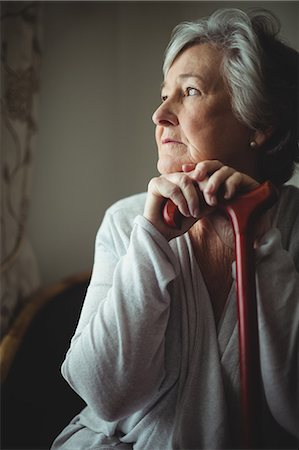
{"type": "Point", "coordinates": [123, 212]}
{"type": "Point", "coordinates": [290, 193]}
{"type": "Point", "coordinates": [118, 221]}
{"type": "Point", "coordinates": [129, 206]}
{"type": "Point", "coordinates": [287, 219]}
{"type": "Point", "coordinates": [287, 211]}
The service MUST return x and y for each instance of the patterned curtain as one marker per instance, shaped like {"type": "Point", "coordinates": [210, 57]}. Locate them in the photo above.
{"type": "Point", "coordinates": [20, 71]}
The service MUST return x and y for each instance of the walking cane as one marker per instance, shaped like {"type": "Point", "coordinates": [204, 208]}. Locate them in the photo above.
{"type": "Point", "coordinates": [243, 211]}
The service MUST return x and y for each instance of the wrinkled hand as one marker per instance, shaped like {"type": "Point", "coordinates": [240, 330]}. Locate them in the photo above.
{"type": "Point", "coordinates": [196, 191]}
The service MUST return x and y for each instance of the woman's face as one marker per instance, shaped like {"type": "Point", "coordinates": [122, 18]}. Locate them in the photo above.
{"type": "Point", "coordinates": [195, 120]}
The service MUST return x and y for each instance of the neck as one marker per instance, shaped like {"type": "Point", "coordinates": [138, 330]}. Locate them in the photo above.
{"type": "Point", "coordinates": [214, 257]}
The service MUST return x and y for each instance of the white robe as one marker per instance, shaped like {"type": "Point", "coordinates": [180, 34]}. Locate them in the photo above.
{"type": "Point", "coordinates": [147, 358]}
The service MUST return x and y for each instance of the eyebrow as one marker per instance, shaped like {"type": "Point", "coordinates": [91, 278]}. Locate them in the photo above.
{"type": "Point", "coordinates": [184, 76]}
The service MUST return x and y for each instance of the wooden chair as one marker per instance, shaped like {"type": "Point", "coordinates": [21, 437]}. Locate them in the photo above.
{"type": "Point", "coordinates": [36, 402]}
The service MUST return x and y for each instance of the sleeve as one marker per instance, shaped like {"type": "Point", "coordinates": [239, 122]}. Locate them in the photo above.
{"type": "Point", "coordinates": [278, 309]}
{"type": "Point", "coordinates": [116, 358]}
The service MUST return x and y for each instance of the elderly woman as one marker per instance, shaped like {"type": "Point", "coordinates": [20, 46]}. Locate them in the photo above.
{"type": "Point", "coordinates": [155, 354]}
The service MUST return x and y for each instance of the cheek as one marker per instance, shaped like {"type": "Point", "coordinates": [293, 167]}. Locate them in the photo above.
{"type": "Point", "coordinates": [212, 127]}
{"type": "Point", "coordinates": [193, 129]}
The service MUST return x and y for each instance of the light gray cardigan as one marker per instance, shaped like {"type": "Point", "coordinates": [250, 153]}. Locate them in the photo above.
{"type": "Point", "coordinates": [147, 358]}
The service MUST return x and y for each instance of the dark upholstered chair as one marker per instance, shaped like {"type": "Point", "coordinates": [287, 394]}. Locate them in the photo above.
{"type": "Point", "coordinates": [36, 402]}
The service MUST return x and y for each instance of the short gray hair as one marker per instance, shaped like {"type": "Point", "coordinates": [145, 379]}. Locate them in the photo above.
{"type": "Point", "coordinates": [261, 73]}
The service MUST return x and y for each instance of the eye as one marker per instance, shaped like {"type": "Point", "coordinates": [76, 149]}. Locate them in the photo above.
{"type": "Point", "coordinates": [163, 98]}
{"type": "Point", "coordinates": [191, 91]}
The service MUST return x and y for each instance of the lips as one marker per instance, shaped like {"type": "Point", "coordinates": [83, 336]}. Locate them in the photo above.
{"type": "Point", "coordinates": [170, 141]}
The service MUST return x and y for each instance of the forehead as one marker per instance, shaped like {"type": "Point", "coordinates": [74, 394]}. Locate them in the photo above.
{"type": "Point", "coordinates": [202, 60]}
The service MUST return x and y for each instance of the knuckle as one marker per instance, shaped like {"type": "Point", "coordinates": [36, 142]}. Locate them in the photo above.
{"type": "Point", "coordinates": [203, 164]}
{"type": "Point", "coordinates": [225, 168]}
{"type": "Point", "coordinates": [238, 175]}
{"type": "Point", "coordinates": [152, 182]}
{"type": "Point", "coordinates": [175, 191]}
{"type": "Point", "coordinates": [185, 181]}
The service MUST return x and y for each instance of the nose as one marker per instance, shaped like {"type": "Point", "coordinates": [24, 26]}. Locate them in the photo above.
{"type": "Point", "coordinates": [164, 115]}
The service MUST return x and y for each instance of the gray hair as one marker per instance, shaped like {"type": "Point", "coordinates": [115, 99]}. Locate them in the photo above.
{"type": "Point", "coordinates": [261, 73]}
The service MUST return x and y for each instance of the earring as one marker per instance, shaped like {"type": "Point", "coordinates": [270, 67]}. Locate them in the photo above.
{"type": "Point", "coordinates": [252, 145]}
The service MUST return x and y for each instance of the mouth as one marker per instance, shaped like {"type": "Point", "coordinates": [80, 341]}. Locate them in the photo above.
{"type": "Point", "coordinates": [171, 141]}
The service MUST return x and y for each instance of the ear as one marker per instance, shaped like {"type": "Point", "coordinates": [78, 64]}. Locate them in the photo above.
{"type": "Point", "coordinates": [261, 136]}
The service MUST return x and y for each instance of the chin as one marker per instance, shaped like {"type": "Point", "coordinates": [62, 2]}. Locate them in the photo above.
{"type": "Point", "coordinates": [167, 166]}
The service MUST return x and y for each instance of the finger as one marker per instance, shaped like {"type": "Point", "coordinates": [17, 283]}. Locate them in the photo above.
{"type": "Point", "coordinates": [188, 167]}
{"type": "Point", "coordinates": [217, 184]}
{"type": "Point", "coordinates": [204, 169]}
{"type": "Point", "coordinates": [223, 178]}
{"type": "Point", "coordinates": [164, 188]}
{"type": "Point", "coordinates": [182, 190]}
{"type": "Point", "coordinates": [239, 182]}
{"type": "Point", "coordinates": [232, 184]}
{"type": "Point", "coordinates": [190, 193]}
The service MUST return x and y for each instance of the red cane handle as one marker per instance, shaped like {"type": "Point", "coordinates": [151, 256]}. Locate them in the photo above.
{"type": "Point", "coordinates": [246, 207]}
{"type": "Point", "coordinates": [171, 215]}
{"type": "Point", "coordinates": [261, 198]}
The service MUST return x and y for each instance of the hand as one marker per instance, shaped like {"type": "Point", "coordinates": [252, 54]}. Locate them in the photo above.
{"type": "Point", "coordinates": [196, 191]}
{"type": "Point", "coordinates": [223, 184]}
{"type": "Point", "coordinates": [185, 191]}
